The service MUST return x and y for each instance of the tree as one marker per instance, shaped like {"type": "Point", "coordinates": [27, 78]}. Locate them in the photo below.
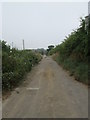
{"type": "Point", "coordinates": [50, 47]}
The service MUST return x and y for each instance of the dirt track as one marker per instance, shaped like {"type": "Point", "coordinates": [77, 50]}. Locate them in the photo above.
{"type": "Point", "coordinates": [48, 92]}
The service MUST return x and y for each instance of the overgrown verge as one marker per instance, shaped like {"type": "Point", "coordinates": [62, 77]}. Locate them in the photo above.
{"type": "Point", "coordinates": [73, 53]}
{"type": "Point", "coordinates": [77, 69]}
{"type": "Point", "coordinates": [15, 64]}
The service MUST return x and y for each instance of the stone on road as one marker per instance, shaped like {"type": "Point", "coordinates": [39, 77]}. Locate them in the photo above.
{"type": "Point", "coordinates": [47, 92]}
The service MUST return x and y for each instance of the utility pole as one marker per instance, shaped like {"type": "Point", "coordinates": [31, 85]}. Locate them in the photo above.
{"type": "Point", "coordinates": [12, 45]}
{"type": "Point", "coordinates": [23, 45]}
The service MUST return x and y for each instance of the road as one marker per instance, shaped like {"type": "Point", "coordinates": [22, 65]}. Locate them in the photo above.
{"type": "Point", "coordinates": [47, 92]}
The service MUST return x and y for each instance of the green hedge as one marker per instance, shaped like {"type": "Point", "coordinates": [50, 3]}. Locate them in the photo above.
{"type": "Point", "coordinates": [76, 68]}
{"type": "Point", "coordinates": [10, 80]}
{"type": "Point", "coordinates": [15, 64]}
{"type": "Point", "coordinates": [73, 53]}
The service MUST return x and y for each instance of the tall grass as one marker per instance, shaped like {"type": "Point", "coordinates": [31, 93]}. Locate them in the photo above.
{"type": "Point", "coordinates": [78, 69]}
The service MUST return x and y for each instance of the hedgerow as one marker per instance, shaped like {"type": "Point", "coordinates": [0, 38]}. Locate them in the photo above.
{"type": "Point", "coordinates": [73, 53]}
{"type": "Point", "coordinates": [15, 64]}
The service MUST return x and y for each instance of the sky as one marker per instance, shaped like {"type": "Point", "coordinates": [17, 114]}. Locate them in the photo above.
{"type": "Point", "coordinates": [40, 23]}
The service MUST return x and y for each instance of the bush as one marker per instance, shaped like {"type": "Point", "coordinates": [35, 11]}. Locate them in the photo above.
{"type": "Point", "coordinates": [70, 65]}
{"type": "Point", "coordinates": [10, 80]}
{"type": "Point", "coordinates": [15, 63]}
{"type": "Point", "coordinates": [81, 73]}
{"type": "Point", "coordinates": [73, 53]}
{"type": "Point", "coordinates": [8, 63]}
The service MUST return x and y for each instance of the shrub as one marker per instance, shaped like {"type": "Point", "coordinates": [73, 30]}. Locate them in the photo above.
{"type": "Point", "coordinates": [73, 53]}
{"type": "Point", "coordinates": [15, 63]}
{"type": "Point", "coordinates": [81, 73]}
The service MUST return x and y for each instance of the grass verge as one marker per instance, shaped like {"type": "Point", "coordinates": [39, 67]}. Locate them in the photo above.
{"type": "Point", "coordinates": [78, 69]}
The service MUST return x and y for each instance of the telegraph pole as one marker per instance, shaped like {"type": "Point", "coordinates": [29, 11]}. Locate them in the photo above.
{"type": "Point", "coordinates": [12, 45]}
{"type": "Point", "coordinates": [23, 45]}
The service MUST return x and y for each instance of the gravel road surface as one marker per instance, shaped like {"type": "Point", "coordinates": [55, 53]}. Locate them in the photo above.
{"type": "Point", "coordinates": [47, 92]}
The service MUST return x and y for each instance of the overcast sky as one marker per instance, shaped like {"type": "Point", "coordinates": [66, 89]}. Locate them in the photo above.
{"type": "Point", "coordinates": [40, 24]}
